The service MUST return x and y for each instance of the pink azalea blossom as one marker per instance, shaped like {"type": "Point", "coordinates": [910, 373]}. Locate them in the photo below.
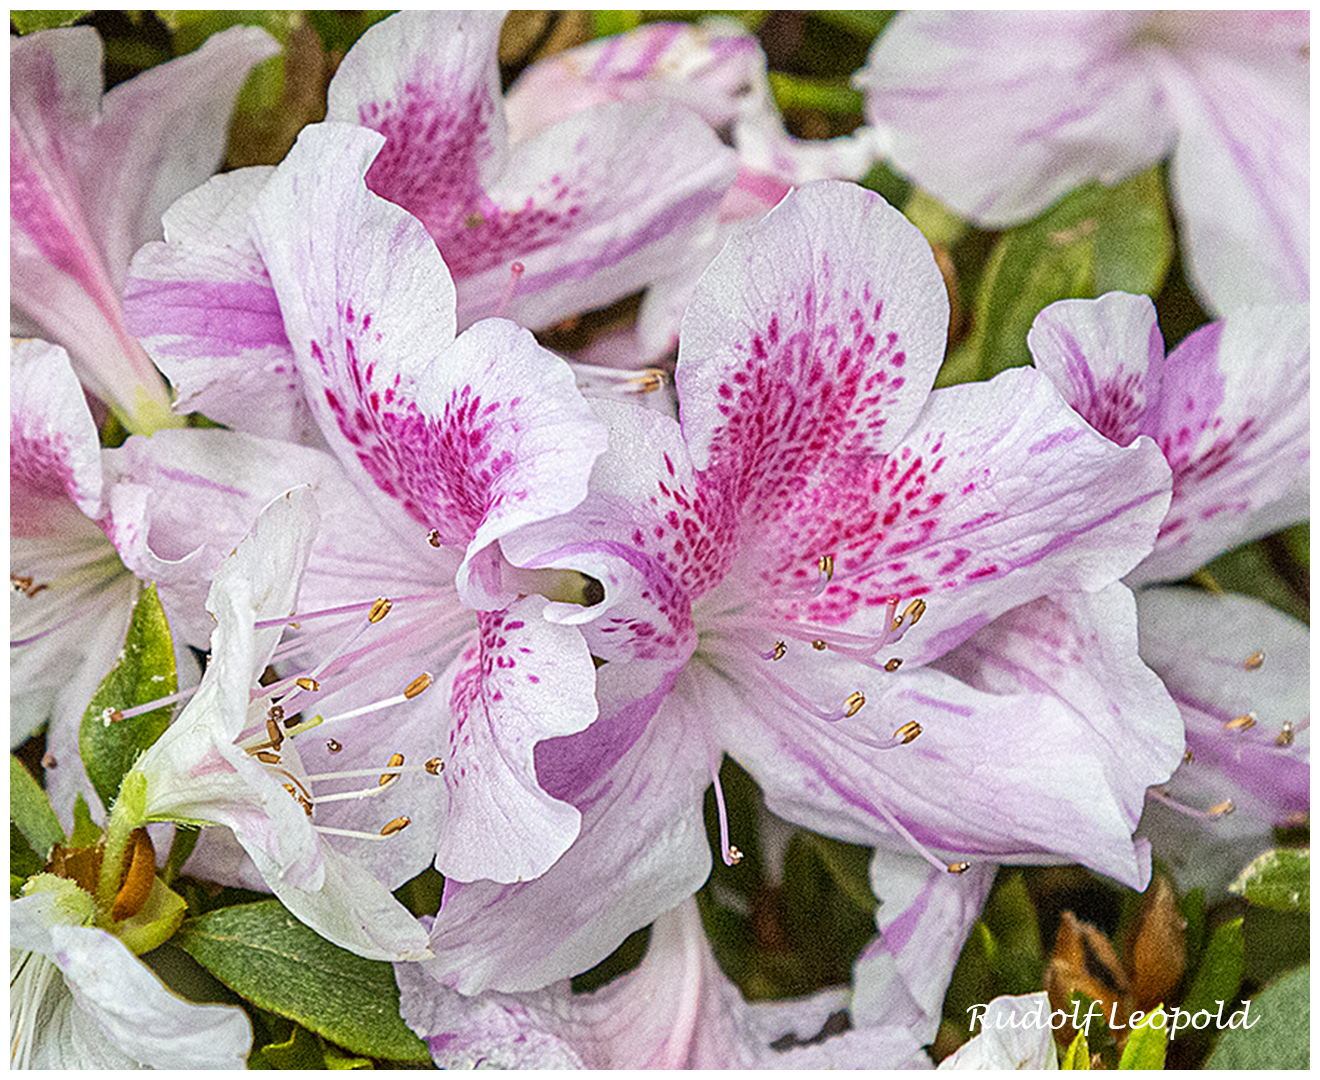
{"type": "Point", "coordinates": [443, 447]}
{"type": "Point", "coordinates": [999, 113]}
{"type": "Point", "coordinates": [676, 1011]}
{"type": "Point", "coordinates": [89, 179]}
{"type": "Point", "coordinates": [1229, 407]}
{"type": "Point", "coordinates": [574, 218]}
{"type": "Point", "coordinates": [1240, 674]}
{"type": "Point", "coordinates": [762, 563]}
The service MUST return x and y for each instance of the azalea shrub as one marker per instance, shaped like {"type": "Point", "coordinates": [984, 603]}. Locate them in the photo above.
{"type": "Point", "coordinates": [659, 540]}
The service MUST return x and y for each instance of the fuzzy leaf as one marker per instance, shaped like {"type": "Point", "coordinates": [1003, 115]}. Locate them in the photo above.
{"type": "Point", "coordinates": [1220, 973]}
{"type": "Point", "coordinates": [1279, 1036]}
{"type": "Point", "coordinates": [1078, 1055]}
{"type": "Point", "coordinates": [263, 953]}
{"type": "Point", "coordinates": [1278, 879]}
{"type": "Point", "coordinates": [1147, 1044]}
{"type": "Point", "coordinates": [25, 22]}
{"type": "Point", "coordinates": [30, 811]}
{"type": "Point", "coordinates": [144, 672]}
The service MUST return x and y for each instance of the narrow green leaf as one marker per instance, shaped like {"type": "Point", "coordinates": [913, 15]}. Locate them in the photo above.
{"type": "Point", "coordinates": [866, 25]}
{"type": "Point", "coordinates": [1220, 973]}
{"type": "Point", "coordinates": [1078, 1055]}
{"type": "Point", "coordinates": [29, 809]}
{"type": "Point", "coordinates": [302, 1050]}
{"type": "Point", "coordinates": [86, 832]}
{"type": "Point", "coordinates": [1091, 241]}
{"type": "Point", "coordinates": [609, 23]}
{"type": "Point", "coordinates": [265, 84]}
{"type": "Point", "coordinates": [1249, 569]}
{"type": "Point", "coordinates": [1278, 879]}
{"type": "Point", "coordinates": [849, 866]}
{"type": "Point", "coordinates": [337, 1059]}
{"type": "Point", "coordinates": [263, 953]}
{"type": "Point", "coordinates": [143, 672]}
{"type": "Point", "coordinates": [1148, 1042]}
{"type": "Point", "coordinates": [796, 92]}
{"type": "Point", "coordinates": [1272, 1031]}
{"type": "Point", "coordinates": [1011, 916]}
{"type": "Point", "coordinates": [1192, 907]}
{"type": "Point", "coordinates": [27, 21]}
{"type": "Point", "coordinates": [23, 861]}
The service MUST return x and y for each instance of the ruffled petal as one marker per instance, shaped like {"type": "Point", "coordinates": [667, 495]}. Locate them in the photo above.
{"type": "Point", "coordinates": [1234, 423]}
{"type": "Point", "coordinates": [524, 681]}
{"type": "Point", "coordinates": [1009, 1033]}
{"type": "Point", "coordinates": [1105, 357]}
{"type": "Point", "coordinates": [999, 113]}
{"type": "Point", "coordinates": [642, 848]}
{"type": "Point", "coordinates": [203, 306]}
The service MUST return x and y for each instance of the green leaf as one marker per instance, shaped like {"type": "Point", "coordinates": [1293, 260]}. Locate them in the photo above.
{"type": "Point", "coordinates": [866, 25]}
{"type": "Point", "coordinates": [30, 811]}
{"type": "Point", "coordinates": [1091, 241]}
{"type": "Point", "coordinates": [1249, 569]}
{"type": "Point", "coordinates": [339, 30]}
{"type": "Point", "coordinates": [86, 832]}
{"type": "Point", "coordinates": [1011, 916]}
{"type": "Point", "coordinates": [796, 92]}
{"type": "Point", "coordinates": [263, 953]}
{"type": "Point", "coordinates": [1220, 973]}
{"type": "Point", "coordinates": [609, 23]}
{"type": "Point", "coordinates": [23, 861]}
{"type": "Point", "coordinates": [849, 866]}
{"type": "Point", "coordinates": [337, 1059]}
{"type": "Point", "coordinates": [28, 21]}
{"type": "Point", "coordinates": [1148, 1042]}
{"type": "Point", "coordinates": [1192, 907]}
{"type": "Point", "coordinates": [1078, 1055]}
{"type": "Point", "coordinates": [1278, 879]}
{"type": "Point", "coordinates": [302, 1050]}
{"type": "Point", "coordinates": [1273, 1031]}
{"type": "Point", "coordinates": [143, 672]}
{"type": "Point", "coordinates": [265, 84]}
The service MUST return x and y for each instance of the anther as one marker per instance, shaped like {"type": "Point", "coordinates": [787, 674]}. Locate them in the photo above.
{"type": "Point", "coordinates": [959, 867]}
{"type": "Point", "coordinates": [310, 685]}
{"type": "Point", "coordinates": [390, 828]}
{"type": "Point", "coordinates": [111, 716]}
{"type": "Point", "coordinates": [435, 766]}
{"type": "Point", "coordinates": [433, 538]}
{"type": "Point", "coordinates": [276, 714]}
{"type": "Point", "coordinates": [1188, 756]}
{"type": "Point", "coordinates": [1255, 660]}
{"type": "Point", "coordinates": [1245, 722]}
{"type": "Point", "coordinates": [894, 664]}
{"type": "Point", "coordinates": [333, 745]}
{"type": "Point", "coordinates": [826, 566]}
{"type": "Point", "coordinates": [395, 761]}
{"type": "Point", "coordinates": [735, 856]}
{"type": "Point", "coordinates": [417, 685]}
{"type": "Point", "coordinates": [649, 381]}
{"type": "Point", "coordinates": [819, 645]}
{"type": "Point", "coordinates": [777, 653]}
{"type": "Point", "coordinates": [914, 611]}
{"type": "Point", "coordinates": [266, 757]}
{"type": "Point", "coordinates": [379, 610]}
{"type": "Point", "coordinates": [48, 759]}
{"type": "Point", "coordinates": [516, 271]}
{"type": "Point", "coordinates": [855, 701]}
{"type": "Point", "coordinates": [1285, 737]}
{"type": "Point", "coordinates": [274, 733]}
{"type": "Point", "coordinates": [1222, 809]}
{"type": "Point", "coordinates": [23, 584]}
{"type": "Point", "coordinates": [907, 732]}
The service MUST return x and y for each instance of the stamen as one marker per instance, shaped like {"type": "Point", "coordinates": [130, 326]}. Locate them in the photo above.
{"type": "Point", "coordinates": [395, 760]}
{"type": "Point", "coordinates": [912, 614]}
{"type": "Point", "coordinates": [1245, 722]}
{"type": "Point", "coordinates": [825, 564]}
{"type": "Point", "coordinates": [435, 766]}
{"type": "Point", "coordinates": [593, 380]}
{"type": "Point", "coordinates": [904, 735]}
{"type": "Point", "coordinates": [48, 760]}
{"type": "Point", "coordinates": [433, 538]}
{"type": "Point", "coordinates": [1222, 809]}
{"type": "Point", "coordinates": [410, 691]}
{"type": "Point", "coordinates": [1188, 756]}
{"type": "Point", "coordinates": [152, 706]}
{"type": "Point", "coordinates": [854, 702]}
{"type": "Point", "coordinates": [1255, 660]}
{"type": "Point", "coordinates": [325, 613]}
{"type": "Point", "coordinates": [379, 610]}
{"type": "Point", "coordinates": [777, 653]}
{"type": "Point", "coordinates": [23, 584]}
{"type": "Point", "coordinates": [959, 867]}
{"type": "Point", "coordinates": [1286, 736]}
{"type": "Point", "coordinates": [819, 645]}
{"type": "Point", "coordinates": [516, 271]}
{"type": "Point", "coordinates": [333, 745]}
{"type": "Point", "coordinates": [266, 757]}
{"type": "Point", "coordinates": [731, 855]}
{"type": "Point", "coordinates": [893, 665]}
{"type": "Point", "coordinates": [310, 685]}
{"type": "Point", "coordinates": [908, 732]}
{"type": "Point", "coordinates": [390, 828]}
{"type": "Point", "coordinates": [396, 826]}
{"type": "Point", "coordinates": [414, 688]}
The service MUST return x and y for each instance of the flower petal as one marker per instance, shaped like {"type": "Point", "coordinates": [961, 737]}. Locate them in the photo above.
{"type": "Point", "coordinates": [475, 438]}
{"type": "Point", "coordinates": [1241, 172]}
{"type": "Point", "coordinates": [524, 681]}
{"type": "Point", "coordinates": [642, 848]}
{"type": "Point", "coordinates": [1234, 423]}
{"type": "Point", "coordinates": [1015, 1033]}
{"type": "Point", "coordinates": [997, 113]}
{"type": "Point", "coordinates": [1105, 357]}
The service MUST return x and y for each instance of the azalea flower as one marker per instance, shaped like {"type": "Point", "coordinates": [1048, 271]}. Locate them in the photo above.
{"type": "Point", "coordinates": [718, 69]}
{"type": "Point", "coordinates": [1011, 1033]}
{"type": "Point", "coordinates": [89, 178]}
{"type": "Point", "coordinates": [761, 564]}
{"type": "Point", "coordinates": [446, 447]}
{"type": "Point", "coordinates": [998, 114]}
{"type": "Point", "coordinates": [575, 218]}
{"type": "Point", "coordinates": [1240, 673]}
{"type": "Point", "coordinates": [1229, 408]}
{"type": "Point", "coordinates": [676, 1011]}
{"type": "Point", "coordinates": [79, 999]}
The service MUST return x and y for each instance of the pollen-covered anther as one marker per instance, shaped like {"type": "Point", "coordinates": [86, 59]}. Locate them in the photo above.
{"type": "Point", "coordinates": [855, 701]}
{"type": "Point", "coordinates": [333, 745]}
{"type": "Point", "coordinates": [379, 610]}
{"type": "Point", "coordinates": [1245, 722]}
{"type": "Point", "coordinates": [1255, 661]}
{"type": "Point", "coordinates": [913, 612]}
{"type": "Point", "coordinates": [433, 538]}
{"type": "Point", "coordinates": [111, 716]}
{"type": "Point", "coordinates": [1286, 735]}
{"type": "Point", "coordinates": [777, 653]}
{"type": "Point", "coordinates": [959, 867]}
{"type": "Point", "coordinates": [735, 856]}
{"type": "Point", "coordinates": [825, 564]}
{"type": "Point", "coordinates": [1188, 756]}
{"type": "Point", "coordinates": [418, 684]}
{"type": "Point", "coordinates": [392, 828]}
{"type": "Point", "coordinates": [907, 732]}
{"type": "Point", "coordinates": [1222, 809]}
{"type": "Point", "coordinates": [893, 665]}
{"type": "Point", "coordinates": [267, 757]}
{"type": "Point", "coordinates": [820, 645]}
{"type": "Point", "coordinates": [435, 766]}
{"type": "Point", "coordinates": [276, 714]}
{"type": "Point", "coordinates": [388, 778]}
{"type": "Point", "coordinates": [310, 685]}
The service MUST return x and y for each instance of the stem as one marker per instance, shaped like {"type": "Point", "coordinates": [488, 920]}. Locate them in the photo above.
{"type": "Point", "coordinates": [125, 816]}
